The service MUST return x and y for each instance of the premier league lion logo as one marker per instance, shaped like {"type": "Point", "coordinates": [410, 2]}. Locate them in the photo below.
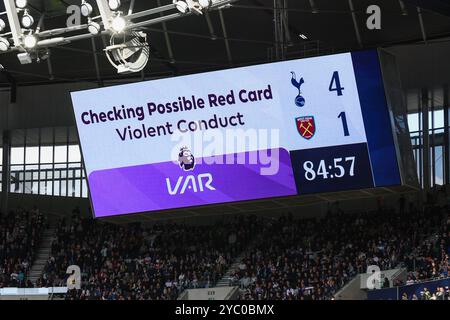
{"type": "Point", "coordinates": [186, 159]}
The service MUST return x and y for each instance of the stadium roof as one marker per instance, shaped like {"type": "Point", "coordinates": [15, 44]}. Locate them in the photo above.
{"type": "Point", "coordinates": [192, 44]}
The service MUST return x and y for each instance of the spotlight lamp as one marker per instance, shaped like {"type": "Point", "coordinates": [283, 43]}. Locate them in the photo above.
{"type": "Point", "coordinates": [204, 3]}
{"type": "Point", "coordinates": [2, 25]}
{"type": "Point", "coordinates": [30, 41]}
{"type": "Point", "coordinates": [114, 4]}
{"type": "Point", "coordinates": [27, 19]}
{"type": "Point", "coordinates": [129, 53]}
{"type": "Point", "coordinates": [118, 24]}
{"type": "Point", "coordinates": [207, 4]}
{"type": "Point", "coordinates": [86, 8]}
{"type": "Point", "coordinates": [128, 50]}
{"type": "Point", "coordinates": [194, 6]}
{"type": "Point", "coordinates": [93, 27]}
{"type": "Point", "coordinates": [181, 6]}
{"type": "Point", "coordinates": [21, 4]}
{"type": "Point", "coordinates": [4, 44]}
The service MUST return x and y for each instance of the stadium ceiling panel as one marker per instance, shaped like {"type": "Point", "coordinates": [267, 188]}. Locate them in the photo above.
{"type": "Point", "coordinates": [240, 35]}
{"type": "Point", "coordinates": [438, 6]}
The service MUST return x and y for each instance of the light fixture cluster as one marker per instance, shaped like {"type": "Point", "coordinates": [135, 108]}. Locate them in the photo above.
{"type": "Point", "coordinates": [86, 11]}
{"type": "Point", "coordinates": [195, 6]}
{"type": "Point", "coordinates": [29, 40]}
{"type": "Point", "coordinates": [27, 21]}
{"type": "Point", "coordinates": [128, 50]}
{"type": "Point", "coordinates": [118, 23]}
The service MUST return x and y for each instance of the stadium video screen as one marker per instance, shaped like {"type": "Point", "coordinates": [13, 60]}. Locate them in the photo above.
{"type": "Point", "coordinates": [288, 128]}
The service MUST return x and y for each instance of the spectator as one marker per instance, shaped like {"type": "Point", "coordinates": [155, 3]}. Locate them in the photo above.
{"type": "Point", "coordinates": [20, 233]}
{"type": "Point", "coordinates": [386, 283]}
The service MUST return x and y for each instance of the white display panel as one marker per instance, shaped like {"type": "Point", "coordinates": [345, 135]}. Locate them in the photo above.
{"type": "Point", "coordinates": [278, 129]}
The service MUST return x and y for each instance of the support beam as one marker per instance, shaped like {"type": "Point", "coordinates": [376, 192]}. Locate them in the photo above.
{"type": "Point", "coordinates": [12, 82]}
{"type": "Point", "coordinates": [131, 7]}
{"type": "Point", "coordinates": [446, 152]}
{"type": "Point", "coordinates": [212, 33]}
{"type": "Point", "coordinates": [279, 34]}
{"type": "Point", "coordinates": [422, 25]}
{"type": "Point", "coordinates": [6, 176]}
{"type": "Point", "coordinates": [287, 33]}
{"type": "Point", "coordinates": [50, 67]}
{"type": "Point", "coordinates": [355, 23]}
{"type": "Point", "coordinates": [225, 37]}
{"type": "Point", "coordinates": [437, 6]}
{"type": "Point", "coordinates": [14, 23]}
{"type": "Point", "coordinates": [167, 38]}
{"type": "Point", "coordinates": [105, 13]}
{"type": "Point", "coordinates": [97, 68]}
{"type": "Point", "coordinates": [403, 8]}
{"type": "Point", "coordinates": [432, 139]}
{"type": "Point", "coordinates": [148, 12]}
{"type": "Point", "coordinates": [313, 5]}
{"type": "Point", "coordinates": [425, 140]}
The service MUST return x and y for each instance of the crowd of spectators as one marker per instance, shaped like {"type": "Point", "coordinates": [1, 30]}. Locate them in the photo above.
{"type": "Point", "coordinates": [283, 258]}
{"type": "Point", "coordinates": [441, 293]}
{"type": "Point", "coordinates": [313, 259]}
{"type": "Point", "coordinates": [131, 262]}
{"type": "Point", "coordinates": [20, 232]}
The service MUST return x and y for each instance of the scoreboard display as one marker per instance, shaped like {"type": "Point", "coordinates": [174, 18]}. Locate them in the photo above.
{"type": "Point", "coordinates": [289, 128]}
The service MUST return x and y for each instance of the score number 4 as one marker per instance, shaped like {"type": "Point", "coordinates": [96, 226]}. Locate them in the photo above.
{"type": "Point", "coordinates": [335, 85]}
{"type": "Point", "coordinates": [338, 170]}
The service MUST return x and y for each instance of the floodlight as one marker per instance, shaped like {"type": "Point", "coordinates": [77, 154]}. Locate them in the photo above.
{"type": "Point", "coordinates": [2, 25]}
{"type": "Point", "coordinates": [93, 27]}
{"type": "Point", "coordinates": [131, 54]}
{"type": "Point", "coordinates": [30, 41]}
{"type": "Point", "coordinates": [182, 6]}
{"type": "Point", "coordinates": [204, 3]}
{"type": "Point", "coordinates": [27, 20]}
{"type": "Point", "coordinates": [4, 44]}
{"type": "Point", "coordinates": [118, 24]}
{"type": "Point", "coordinates": [21, 4]}
{"type": "Point", "coordinates": [86, 8]}
{"type": "Point", "coordinates": [114, 4]}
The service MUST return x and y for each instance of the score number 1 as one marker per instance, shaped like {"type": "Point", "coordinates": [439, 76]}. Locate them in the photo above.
{"type": "Point", "coordinates": [335, 85]}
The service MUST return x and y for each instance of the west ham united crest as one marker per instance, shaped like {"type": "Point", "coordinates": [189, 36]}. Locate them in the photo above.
{"type": "Point", "coordinates": [306, 126]}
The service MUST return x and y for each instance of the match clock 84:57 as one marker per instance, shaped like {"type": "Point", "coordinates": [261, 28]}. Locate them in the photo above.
{"type": "Point", "coordinates": [332, 168]}
{"type": "Point", "coordinates": [338, 168]}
